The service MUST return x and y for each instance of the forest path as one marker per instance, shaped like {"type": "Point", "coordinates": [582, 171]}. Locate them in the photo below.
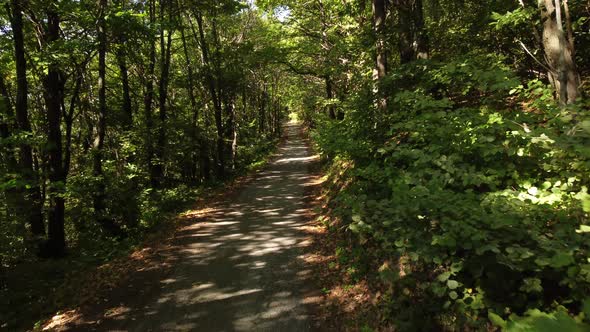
{"type": "Point", "coordinates": [237, 269]}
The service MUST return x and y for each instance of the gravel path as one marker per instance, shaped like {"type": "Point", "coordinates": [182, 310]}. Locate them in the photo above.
{"type": "Point", "coordinates": [239, 269]}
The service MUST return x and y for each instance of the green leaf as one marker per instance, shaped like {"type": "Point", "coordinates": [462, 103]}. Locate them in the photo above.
{"type": "Point", "coordinates": [452, 284]}
{"type": "Point", "coordinates": [542, 261]}
{"type": "Point", "coordinates": [561, 259]}
{"type": "Point", "coordinates": [444, 276]}
{"type": "Point", "coordinates": [536, 320]}
{"type": "Point", "coordinates": [586, 308]}
{"type": "Point", "coordinates": [496, 319]}
{"type": "Point", "coordinates": [532, 285]}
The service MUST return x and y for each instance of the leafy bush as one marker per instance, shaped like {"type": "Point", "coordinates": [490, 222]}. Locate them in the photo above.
{"type": "Point", "coordinates": [477, 187]}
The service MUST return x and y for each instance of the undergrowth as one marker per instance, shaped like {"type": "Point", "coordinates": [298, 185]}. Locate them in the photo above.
{"type": "Point", "coordinates": [472, 191]}
{"type": "Point", "coordinates": [32, 288]}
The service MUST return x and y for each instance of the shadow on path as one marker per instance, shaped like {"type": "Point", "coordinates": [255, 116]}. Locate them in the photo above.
{"type": "Point", "coordinates": [237, 269]}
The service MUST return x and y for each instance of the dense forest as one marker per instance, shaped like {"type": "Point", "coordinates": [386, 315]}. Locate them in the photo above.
{"type": "Point", "coordinates": [111, 109]}
{"type": "Point", "coordinates": [455, 135]}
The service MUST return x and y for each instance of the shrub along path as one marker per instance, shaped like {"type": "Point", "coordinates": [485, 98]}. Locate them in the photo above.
{"type": "Point", "coordinates": [237, 268]}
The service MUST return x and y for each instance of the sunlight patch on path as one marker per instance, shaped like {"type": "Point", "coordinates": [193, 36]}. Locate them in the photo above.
{"type": "Point", "coordinates": [239, 267]}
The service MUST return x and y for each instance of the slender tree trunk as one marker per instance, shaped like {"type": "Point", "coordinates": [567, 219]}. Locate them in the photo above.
{"type": "Point", "coordinates": [124, 71]}
{"type": "Point", "coordinates": [330, 96]}
{"type": "Point", "coordinates": [406, 32]}
{"type": "Point", "coordinates": [69, 121]}
{"type": "Point", "coordinates": [379, 8]}
{"type": "Point", "coordinates": [559, 53]}
{"type": "Point", "coordinates": [99, 197]}
{"type": "Point", "coordinates": [194, 129]}
{"type": "Point", "coordinates": [413, 39]}
{"type": "Point", "coordinates": [148, 100]}
{"type": "Point", "coordinates": [6, 112]}
{"type": "Point", "coordinates": [191, 80]}
{"type": "Point", "coordinates": [215, 97]}
{"type": "Point", "coordinates": [14, 199]}
{"type": "Point", "coordinates": [165, 54]}
{"type": "Point", "coordinates": [421, 35]}
{"type": "Point", "coordinates": [121, 56]}
{"type": "Point", "coordinates": [32, 196]}
{"type": "Point", "coordinates": [230, 128]}
{"type": "Point", "coordinates": [220, 145]}
{"type": "Point", "coordinates": [262, 111]}
{"type": "Point", "coordinates": [219, 109]}
{"type": "Point", "coordinates": [53, 94]}
{"type": "Point", "coordinates": [204, 160]}
{"type": "Point", "coordinates": [379, 27]}
{"type": "Point", "coordinates": [234, 146]}
{"type": "Point", "coordinates": [204, 149]}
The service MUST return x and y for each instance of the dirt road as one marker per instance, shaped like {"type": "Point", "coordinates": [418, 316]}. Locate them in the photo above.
{"type": "Point", "coordinates": [238, 269]}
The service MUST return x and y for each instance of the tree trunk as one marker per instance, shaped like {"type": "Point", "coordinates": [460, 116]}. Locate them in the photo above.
{"type": "Point", "coordinates": [559, 52]}
{"type": "Point", "coordinates": [194, 129]}
{"type": "Point", "coordinates": [69, 121]}
{"type": "Point", "coordinates": [165, 54]}
{"type": "Point", "coordinates": [220, 169]}
{"type": "Point", "coordinates": [406, 49]}
{"type": "Point", "coordinates": [124, 71]}
{"type": "Point", "coordinates": [14, 199]}
{"type": "Point", "coordinates": [204, 151]}
{"type": "Point", "coordinates": [230, 109]}
{"type": "Point", "coordinates": [262, 111]}
{"type": "Point", "coordinates": [220, 145]}
{"type": "Point", "coordinates": [6, 112]}
{"type": "Point", "coordinates": [330, 96]}
{"type": "Point", "coordinates": [219, 109]}
{"type": "Point", "coordinates": [32, 197]}
{"type": "Point", "coordinates": [53, 95]}
{"type": "Point", "coordinates": [99, 196]}
{"type": "Point", "coordinates": [148, 100]}
{"type": "Point", "coordinates": [379, 16]}
{"type": "Point", "coordinates": [121, 55]}
{"type": "Point", "coordinates": [413, 39]}
{"type": "Point", "coordinates": [204, 160]}
{"type": "Point", "coordinates": [379, 8]}
{"type": "Point", "coordinates": [421, 35]}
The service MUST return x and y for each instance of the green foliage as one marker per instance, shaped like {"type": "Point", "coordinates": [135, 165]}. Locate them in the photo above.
{"type": "Point", "coordinates": [535, 320]}
{"type": "Point", "coordinates": [518, 17]}
{"type": "Point", "coordinates": [482, 198]}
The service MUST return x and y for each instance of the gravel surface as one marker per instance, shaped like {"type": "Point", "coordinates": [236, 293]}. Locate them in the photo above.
{"type": "Point", "coordinates": [237, 269]}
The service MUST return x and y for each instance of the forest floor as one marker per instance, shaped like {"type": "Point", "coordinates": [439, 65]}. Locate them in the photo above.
{"type": "Point", "coordinates": [247, 261]}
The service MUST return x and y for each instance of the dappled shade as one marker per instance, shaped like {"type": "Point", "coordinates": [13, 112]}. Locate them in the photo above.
{"type": "Point", "coordinates": [239, 267]}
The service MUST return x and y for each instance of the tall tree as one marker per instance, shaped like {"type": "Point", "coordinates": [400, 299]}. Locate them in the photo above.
{"type": "Point", "coordinates": [53, 83]}
{"type": "Point", "coordinates": [99, 197]}
{"type": "Point", "coordinates": [205, 161]}
{"type": "Point", "coordinates": [194, 129]}
{"type": "Point", "coordinates": [120, 38]}
{"type": "Point", "coordinates": [215, 96]}
{"type": "Point", "coordinates": [379, 27]}
{"type": "Point", "coordinates": [32, 197]}
{"type": "Point", "coordinates": [559, 51]}
{"type": "Point", "coordinates": [165, 58]}
{"type": "Point", "coordinates": [121, 55]}
{"type": "Point", "coordinates": [148, 98]}
{"type": "Point", "coordinates": [413, 39]}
